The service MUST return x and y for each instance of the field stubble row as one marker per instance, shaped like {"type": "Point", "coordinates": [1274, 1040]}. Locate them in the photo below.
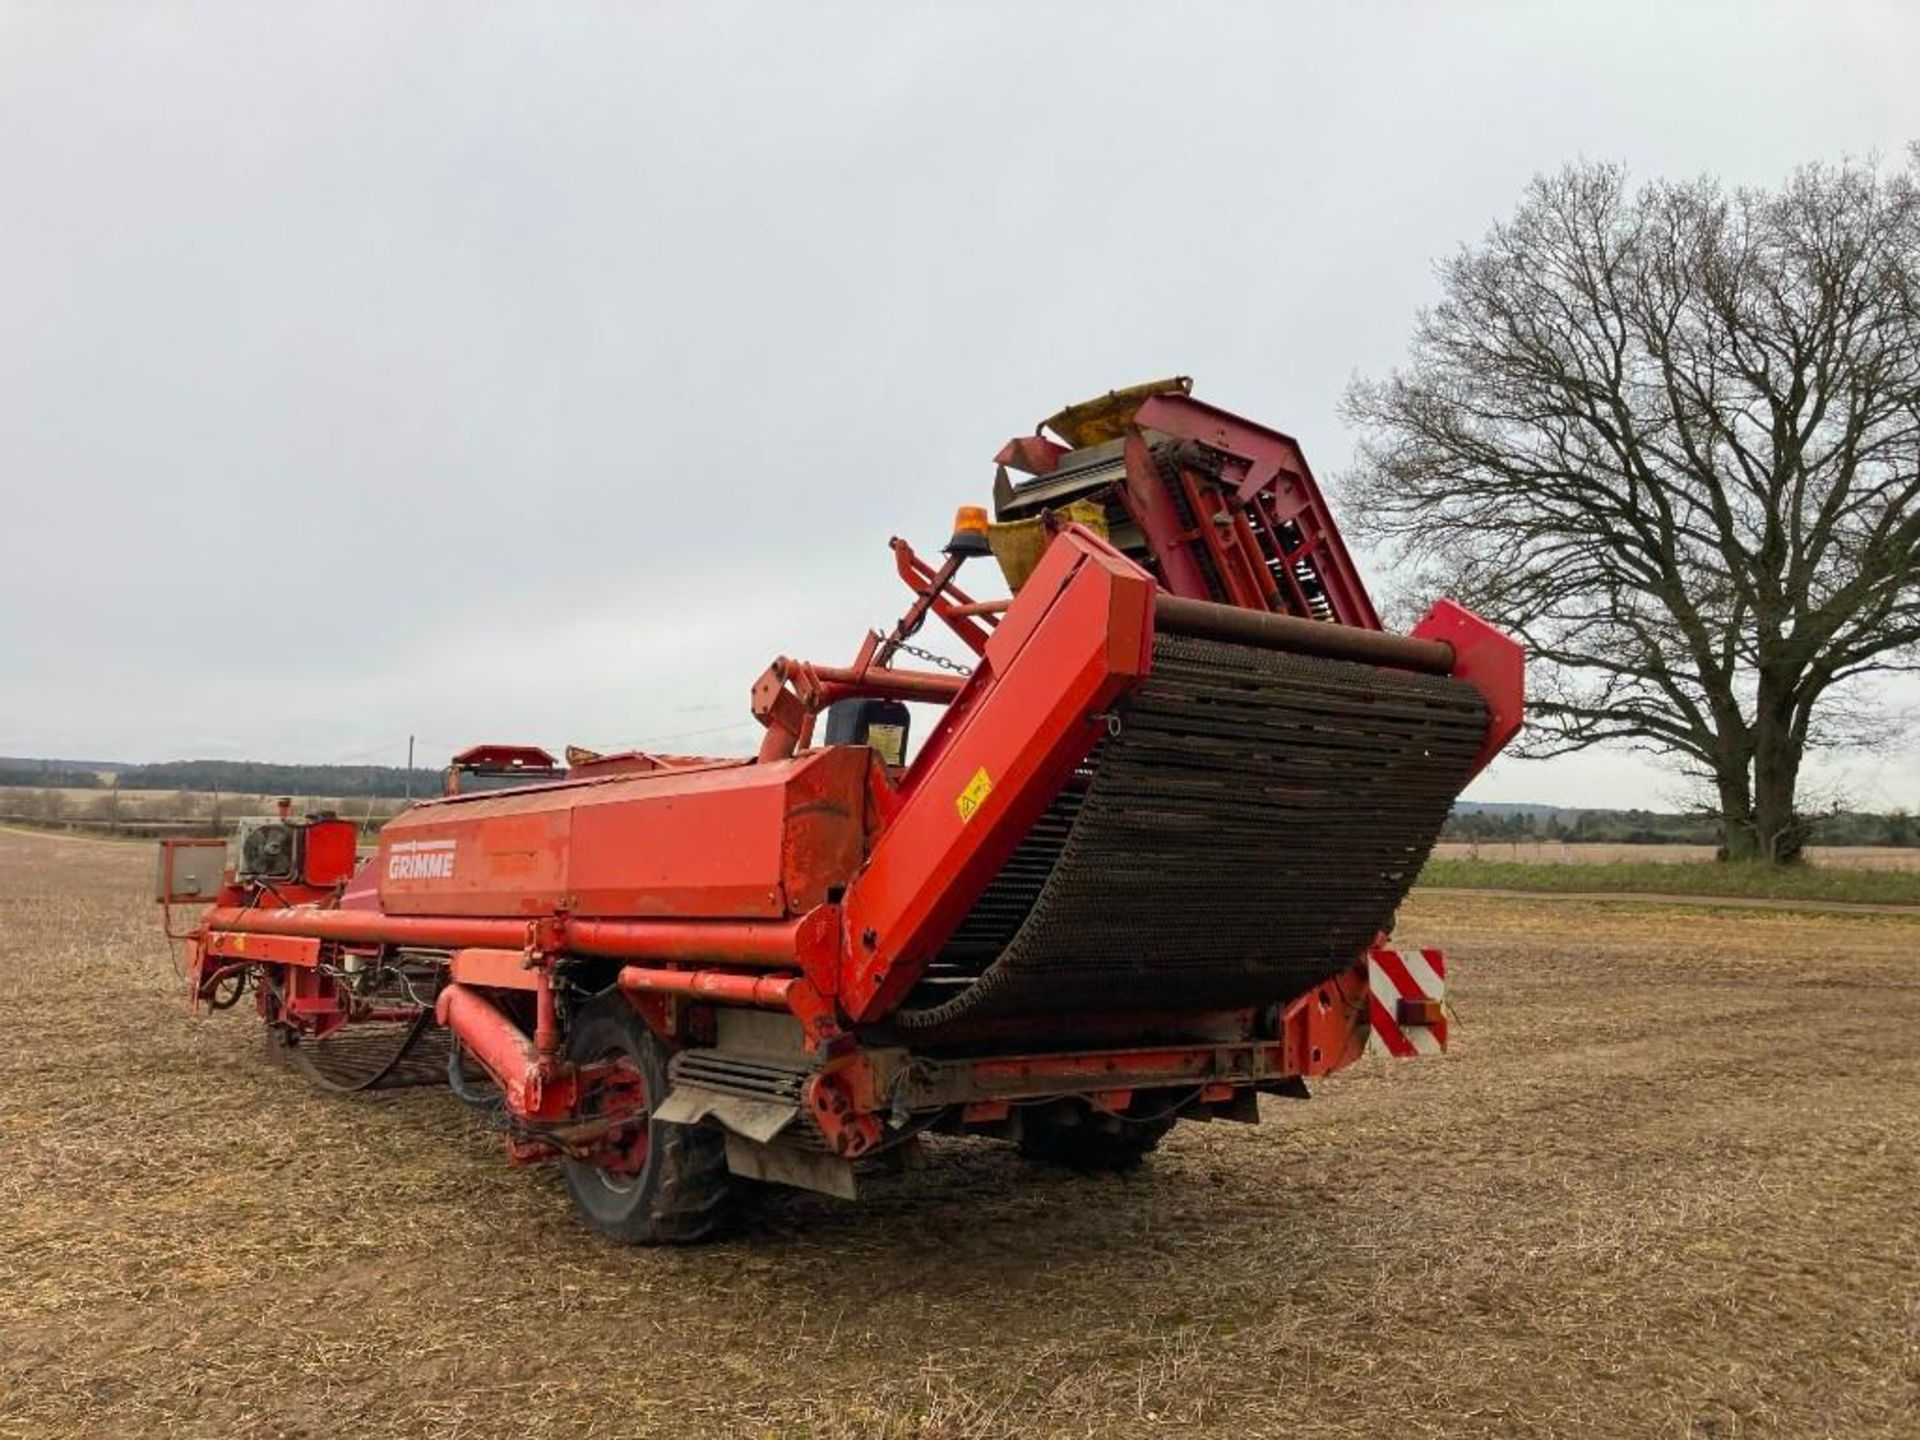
{"type": "Point", "coordinates": [1646, 1195]}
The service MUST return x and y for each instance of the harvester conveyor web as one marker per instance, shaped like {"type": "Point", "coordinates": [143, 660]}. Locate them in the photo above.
{"type": "Point", "coordinates": [1245, 835]}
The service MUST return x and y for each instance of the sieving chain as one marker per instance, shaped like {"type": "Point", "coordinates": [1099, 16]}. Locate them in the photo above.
{"type": "Point", "coordinates": [1246, 834]}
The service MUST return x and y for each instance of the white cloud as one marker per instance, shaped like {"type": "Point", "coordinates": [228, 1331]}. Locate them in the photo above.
{"type": "Point", "coordinates": [545, 370]}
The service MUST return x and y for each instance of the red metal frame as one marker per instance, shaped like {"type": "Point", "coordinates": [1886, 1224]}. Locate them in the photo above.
{"type": "Point", "coordinates": [765, 992]}
{"type": "Point", "coordinates": [1276, 493]}
{"type": "Point", "coordinates": [1486, 659]}
{"type": "Point", "coordinates": [524, 762]}
{"type": "Point", "coordinates": [935, 591]}
{"type": "Point", "coordinates": [1080, 635]}
{"type": "Point", "coordinates": [819, 883]}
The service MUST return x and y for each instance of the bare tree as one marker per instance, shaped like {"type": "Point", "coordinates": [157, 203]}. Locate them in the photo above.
{"type": "Point", "coordinates": [1671, 437]}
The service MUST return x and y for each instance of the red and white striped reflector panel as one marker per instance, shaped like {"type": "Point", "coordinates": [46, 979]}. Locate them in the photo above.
{"type": "Point", "coordinates": [1417, 976]}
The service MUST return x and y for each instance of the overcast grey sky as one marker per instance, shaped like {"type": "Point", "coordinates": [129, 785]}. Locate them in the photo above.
{"type": "Point", "coordinates": [542, 371]}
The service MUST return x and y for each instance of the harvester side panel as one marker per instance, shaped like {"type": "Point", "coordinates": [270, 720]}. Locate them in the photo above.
{"type": "Point", "coordinates": [749, 842]}
{"type": "Point", "coordinates": [1077, 636]}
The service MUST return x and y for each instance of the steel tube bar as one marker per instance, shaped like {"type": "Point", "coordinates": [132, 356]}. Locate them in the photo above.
{"type": "Point", "coordinates": [769, 992]}
{"type": "Point", "coordinates": [910, 622]}
{"type": "Point", "coordinates": [372, 927]}
{"type": "Point", "coordinates": [733, 942]}
{"type": "Point", "coordinates": [1207, 621]}
{"type": "Point", "coordinates": [889, 684]}
{"type": "Point", "coordinates": [501, 1046]}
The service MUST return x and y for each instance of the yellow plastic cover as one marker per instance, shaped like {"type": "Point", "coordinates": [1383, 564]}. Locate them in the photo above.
{"type": "Point", "coordinates": [1019, 544]}
{"type": "Point", "coordinates": [1094, 422]}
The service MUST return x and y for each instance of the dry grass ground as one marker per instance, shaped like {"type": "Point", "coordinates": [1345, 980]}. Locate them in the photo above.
{"type": "Point", "coordinates": [1666, 1185]}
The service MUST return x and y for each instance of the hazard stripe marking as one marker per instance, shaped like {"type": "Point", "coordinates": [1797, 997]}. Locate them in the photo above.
{"type": "Point", "coordinates": [1389, 1032]}
{"type": "Point", "coordinates": [1392, 976]}
{"type": "Point", "coordinates": [1421, 973]}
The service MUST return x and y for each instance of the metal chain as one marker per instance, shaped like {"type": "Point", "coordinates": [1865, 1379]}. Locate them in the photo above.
{"type": "Point", "coordinates": [932, 659]}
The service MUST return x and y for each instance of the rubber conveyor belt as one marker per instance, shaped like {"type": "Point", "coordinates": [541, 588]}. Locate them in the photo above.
{"type": "Point", "coordinates": [1249, 829]}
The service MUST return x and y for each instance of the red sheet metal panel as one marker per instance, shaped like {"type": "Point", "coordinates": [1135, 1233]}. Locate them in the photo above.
{"type": "Point", "coordinates": [753, 841]}
{"type": "Point", "coordinates": [502, 855]}
{"type": "Point", "coordinates": [706, 846]}
{"type": "Point", "coordinates": [1487, 659]}
{"type": "Point", "coordinates": [330, 852]}
{"type": "Point", "coordinates": [739, 841]}
{"type": "Point", "coordinates": [1076, 637]}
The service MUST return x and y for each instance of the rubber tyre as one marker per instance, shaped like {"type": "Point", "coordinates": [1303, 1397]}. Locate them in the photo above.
{"type": "Point", "coordinates": [684, 1191]}
{"type": "Point", "coordinates": [1078, 1141]}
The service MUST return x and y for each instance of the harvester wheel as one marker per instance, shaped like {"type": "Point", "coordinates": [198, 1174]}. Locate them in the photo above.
{"type": "Point", "coordinates": [1079, 1139]}
{"type": "Point", "coordinates": [673, 1186]}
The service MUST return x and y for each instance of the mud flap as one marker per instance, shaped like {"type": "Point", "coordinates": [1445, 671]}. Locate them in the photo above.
{"type": "Point", "coordinates": [755, 1120]}
{"type": "Point", "coordinates": [791, 1165]}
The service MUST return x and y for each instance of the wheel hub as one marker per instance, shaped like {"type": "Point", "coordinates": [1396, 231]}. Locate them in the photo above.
{"type": "Point", "coordinates": [620, 1097]}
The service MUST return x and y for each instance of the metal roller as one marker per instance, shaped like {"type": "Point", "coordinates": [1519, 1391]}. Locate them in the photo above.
{"type": "Point", "coordinates": [1204, 620]}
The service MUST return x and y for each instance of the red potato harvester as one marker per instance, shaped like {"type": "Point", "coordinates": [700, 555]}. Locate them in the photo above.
{"type": "Point", "coordinates": [1140, 870]}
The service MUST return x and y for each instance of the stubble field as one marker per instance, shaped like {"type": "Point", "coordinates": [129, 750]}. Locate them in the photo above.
{"type": "Point", "coordinates": [1905, 858]}
{"type": "Point", "coordinates": [1665, 1185]}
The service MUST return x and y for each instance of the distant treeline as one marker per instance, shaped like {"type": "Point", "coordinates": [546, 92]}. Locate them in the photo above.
{"type": "Point", "coordinates": [240, 777]}
{"type": "Point", "coordinates": [1653, 827]}
{"type": "Point", "coordinates": [1468, 822]}
{"type": "Point", "coordinates": [27, 775]}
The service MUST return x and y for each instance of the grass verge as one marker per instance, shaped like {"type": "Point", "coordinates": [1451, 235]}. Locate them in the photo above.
{"type": "Point", "coordinates": [1768, 882]}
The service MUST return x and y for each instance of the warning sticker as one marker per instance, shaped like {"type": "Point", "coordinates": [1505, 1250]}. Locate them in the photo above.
{"type": "Point", "coordinates": [978, 788]}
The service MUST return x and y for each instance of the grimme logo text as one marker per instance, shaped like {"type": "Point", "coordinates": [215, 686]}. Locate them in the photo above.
{"type": "Point", "coordinates": [421, 860]}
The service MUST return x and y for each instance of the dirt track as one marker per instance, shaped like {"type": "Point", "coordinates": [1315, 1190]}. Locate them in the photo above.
{"type": "Point", "coordinates": [1666, 1185]}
